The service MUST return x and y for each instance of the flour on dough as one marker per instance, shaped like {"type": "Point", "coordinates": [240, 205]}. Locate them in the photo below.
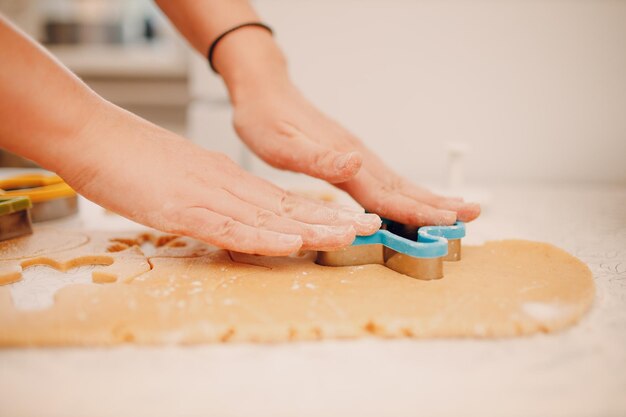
{"type": "Point", "coordinates": [204, 295]}
{"type": "Point", "coordinates": [65, 250]}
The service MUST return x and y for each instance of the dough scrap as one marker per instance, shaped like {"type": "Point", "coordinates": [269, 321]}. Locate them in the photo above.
{"type": "Point", "coordinates": [43, 241]}
{"type": "Point", "coordinates": [500, 289]}
{"type": "Point", "coordinates": [169, 246]}
{"type": "Point", "coordinates": [64, 250]}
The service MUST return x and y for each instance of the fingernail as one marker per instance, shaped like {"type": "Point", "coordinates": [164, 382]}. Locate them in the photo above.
{"type": "Point", "coordinates": [342, 161]}
{"type": "Point", "coordinates": [368, 219]}
{"type": "Point", "coordinates": [290, 240]}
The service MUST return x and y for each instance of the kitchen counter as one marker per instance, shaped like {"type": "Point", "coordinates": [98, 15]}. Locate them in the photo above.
{"type": "Point", "coordinates": [159, 60]}
{"type": "Point", "coordinates": [577, 372]}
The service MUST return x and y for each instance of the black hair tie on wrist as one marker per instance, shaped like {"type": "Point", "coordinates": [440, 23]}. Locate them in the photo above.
{"type": "Point", "coordinates": [219, 38]}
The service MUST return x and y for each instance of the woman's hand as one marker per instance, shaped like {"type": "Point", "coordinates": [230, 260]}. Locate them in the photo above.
{"type": "Point", "coordinates": [148, 174]}
{"type": "Point", "coordinates": [154, 177]}
{"type": "Point", "coordinates": [285, 130]}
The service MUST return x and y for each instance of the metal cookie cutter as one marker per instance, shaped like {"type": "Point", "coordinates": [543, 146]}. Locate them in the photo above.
{"type": "Point", "coordinates": [421, 257]}
{"type": "Point", "coordinates": [51, 197]}
{"type": "Point", "coordinates": [15, 217]}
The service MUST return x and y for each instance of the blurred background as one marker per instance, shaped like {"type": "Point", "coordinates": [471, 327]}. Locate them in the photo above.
{"type": "Point", "coordinates": [452, 93]}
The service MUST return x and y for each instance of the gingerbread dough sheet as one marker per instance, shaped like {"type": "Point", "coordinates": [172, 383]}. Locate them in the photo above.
{"type": "Point", "coordinates": [193, 293]}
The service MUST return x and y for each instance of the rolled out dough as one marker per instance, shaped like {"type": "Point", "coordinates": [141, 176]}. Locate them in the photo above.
{"type": "Point", "coordinates": [44, 241]}
{"type": "Point", "coordinates": [64, 250]}
{"type": "Point", "coordinates": [500, 289]}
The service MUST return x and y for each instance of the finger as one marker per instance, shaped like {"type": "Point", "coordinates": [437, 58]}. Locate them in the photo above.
{"type": "Point", "coordinates": [296, 152]}
{"type": "Point", "coordinates": [405, 210]}
{"type": "Point", "coordinates": [314, 236]}
{"type": "Point", "coordinates": [465, 211]}
{"type": "Point", "coordinates": [356, 208]}
{"type": "Point", "coordinates": [226, 233]}
{"type": "Point", "coordinates": [338, 206]}
{"type": "Point", "coordinates": [261, 193]}
{"type": "Point", "coordinates": [377, 197]}
{"type": "Point", "coordinates": [324, 212]}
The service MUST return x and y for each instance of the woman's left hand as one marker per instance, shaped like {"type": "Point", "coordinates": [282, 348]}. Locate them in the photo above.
{"type": "Point", "coordinates": [288, 132]}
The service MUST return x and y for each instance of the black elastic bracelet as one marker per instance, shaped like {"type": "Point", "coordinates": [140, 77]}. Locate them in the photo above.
{"type": "Point", "coordinates": [219, 38]}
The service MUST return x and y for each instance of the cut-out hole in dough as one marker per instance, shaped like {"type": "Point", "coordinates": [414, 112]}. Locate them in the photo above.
{"type": "Point", "coordinates": [39, 284]}
{"type": "Point", "coordinates": [117, 247]}
{"type": "Point", "coordinates": [148, 249]}
{"type": "Point", "coordinates": [95, 260]}
{"type": "Point", "coordinates": [147, 242]}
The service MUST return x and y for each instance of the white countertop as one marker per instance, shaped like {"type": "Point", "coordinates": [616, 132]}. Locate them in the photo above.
{"type": "Point", "coordinates": [578, 372]}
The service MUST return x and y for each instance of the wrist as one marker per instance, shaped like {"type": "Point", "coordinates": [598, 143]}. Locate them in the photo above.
{"type": "Point", "coordinates": [250, 62]}
{"type": "Point", "coordinates": [78, 153]}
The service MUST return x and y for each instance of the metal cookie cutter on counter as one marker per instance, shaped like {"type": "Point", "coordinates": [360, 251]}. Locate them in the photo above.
{"type": "Point", "coordinates": [420, 256]}
{"type": "Point", "coordinates": [15, 217]}
{"type": "Point", "coordinates": [51, 197]}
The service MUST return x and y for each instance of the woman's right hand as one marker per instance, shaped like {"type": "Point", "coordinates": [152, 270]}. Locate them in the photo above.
{"type": "Point", "coordinates": [156, 178]}
{"type": "Point", "coordinates": [148, 174]}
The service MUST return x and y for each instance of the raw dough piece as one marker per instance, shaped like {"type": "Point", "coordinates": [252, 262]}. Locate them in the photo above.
{"type": "Point", "coordinates": [43, 241]}
{"type": "Point", "coordinates": [505, 288]}
{"type": "Point", "coordinates": [168, 246]}
{"type": "Point", "coordinates": [183, 247]}
{"type": "Point", "coordinates": [40, 248]}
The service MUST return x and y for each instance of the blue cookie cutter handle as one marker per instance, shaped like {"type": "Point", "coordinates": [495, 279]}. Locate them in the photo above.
{"type": "Point", "coordinates": [456, 231]}
{"type": "Point", "coordinates": [432, 241]}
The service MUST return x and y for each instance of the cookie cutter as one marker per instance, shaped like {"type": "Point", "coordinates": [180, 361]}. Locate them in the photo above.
{"type": "Point", "coordinates": [51, 197]}
{"type": "Point", "coordinates": [15, 218]}
{"type": "Point", "coordinates": [420, 257]}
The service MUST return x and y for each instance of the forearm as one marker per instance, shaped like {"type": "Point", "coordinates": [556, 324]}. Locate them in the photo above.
{"type": "Point", "coordinates": [247, 59]}
{"type": "Point", "coordinates": [43, 107]}
{"type": "Point", "coordinates": [158, 178]}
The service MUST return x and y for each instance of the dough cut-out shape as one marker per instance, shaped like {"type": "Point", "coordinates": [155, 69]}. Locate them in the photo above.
{"type": "Point", "coordinates": [500, 289]}
{"type": "Point", "coordinates": [39, 284]}
{"type": "Point", "coordinates": [183, 247]}
{"type": "Point", "coordinates": [169, 246]}
{"type": "Point", "coordinates": [40, 249]}
{"type": "Point", "coordinates": [43, 241]}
